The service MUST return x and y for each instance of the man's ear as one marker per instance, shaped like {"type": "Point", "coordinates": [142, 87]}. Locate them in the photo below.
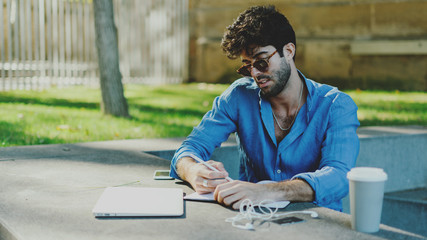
{"type": "Point", "coordinates": [289, 51]}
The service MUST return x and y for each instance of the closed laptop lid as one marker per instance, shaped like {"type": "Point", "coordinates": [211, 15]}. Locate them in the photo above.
{"type": "Point", "coordinates": [139, 202]}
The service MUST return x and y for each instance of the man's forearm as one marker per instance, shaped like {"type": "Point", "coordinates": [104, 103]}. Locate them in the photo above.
{"type": "Point", "coordinates": [294, 190]}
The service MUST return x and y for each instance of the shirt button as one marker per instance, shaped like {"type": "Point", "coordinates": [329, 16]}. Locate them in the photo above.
{"type": "Point", "coordinates": [278, 171]}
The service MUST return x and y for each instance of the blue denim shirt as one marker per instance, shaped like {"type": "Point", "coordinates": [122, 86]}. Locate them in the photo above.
{"type": "Point", "coordinates": [321, 147]}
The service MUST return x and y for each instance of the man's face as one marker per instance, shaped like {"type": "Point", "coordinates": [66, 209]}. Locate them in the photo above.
{"type": "Point", "coordinates": [273, 79]}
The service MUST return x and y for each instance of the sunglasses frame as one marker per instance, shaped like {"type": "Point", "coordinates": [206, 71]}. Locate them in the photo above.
{"type": "Point", "coordinates": [245, 70]}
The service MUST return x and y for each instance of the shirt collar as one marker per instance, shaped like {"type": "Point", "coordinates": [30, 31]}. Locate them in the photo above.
{"type": "Point", "coordinates": [310, 89]}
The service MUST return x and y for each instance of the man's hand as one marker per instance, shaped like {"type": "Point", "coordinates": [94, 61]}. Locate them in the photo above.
{"type": "Point", "coordinates": [233, 193]}
{"type": "Point", "coordinates": [201, 178]}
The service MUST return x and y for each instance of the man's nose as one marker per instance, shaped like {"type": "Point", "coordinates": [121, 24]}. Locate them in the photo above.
{"type": "Point", "coordinates": [255, 72]}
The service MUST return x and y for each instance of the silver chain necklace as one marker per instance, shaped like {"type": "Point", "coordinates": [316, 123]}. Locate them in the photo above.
{"type": "Point", "coordinates": [299, 102]}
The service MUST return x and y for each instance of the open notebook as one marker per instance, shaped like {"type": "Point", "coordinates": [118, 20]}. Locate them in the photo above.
{"type": "Point", "coordinates": [139, 202]}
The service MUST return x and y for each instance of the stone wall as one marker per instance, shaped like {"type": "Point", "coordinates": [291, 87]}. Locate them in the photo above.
{"type": "Point", "coordinates": [347, 43]}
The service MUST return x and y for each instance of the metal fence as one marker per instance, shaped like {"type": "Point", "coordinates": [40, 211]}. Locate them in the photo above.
{"type": "Point", "coordinates": [48, 43]}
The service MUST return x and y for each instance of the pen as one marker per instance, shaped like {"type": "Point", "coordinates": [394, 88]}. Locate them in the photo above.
{"type": "Point", "coordinates": [208, 165]}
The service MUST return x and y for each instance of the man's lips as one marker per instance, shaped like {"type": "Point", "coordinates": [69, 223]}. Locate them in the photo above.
{"type": "Point", "coordinates": [263, 82]}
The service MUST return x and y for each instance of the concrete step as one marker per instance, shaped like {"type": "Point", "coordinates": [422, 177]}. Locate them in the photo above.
{"type": "Point", "coordinates": [406, 210]}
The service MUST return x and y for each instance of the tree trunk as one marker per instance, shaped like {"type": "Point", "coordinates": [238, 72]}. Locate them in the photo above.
{"type": "Point", "coordinates": [113, 99]}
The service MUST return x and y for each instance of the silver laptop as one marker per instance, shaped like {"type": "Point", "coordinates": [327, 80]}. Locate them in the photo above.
{"type": "Point", "coordinates": [139, 202]}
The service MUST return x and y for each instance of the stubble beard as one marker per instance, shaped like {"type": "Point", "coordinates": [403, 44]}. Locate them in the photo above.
{"type": "Point", "coordinates": [282, 77]}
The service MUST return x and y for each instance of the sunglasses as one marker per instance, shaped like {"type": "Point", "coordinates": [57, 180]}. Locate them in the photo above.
{"type": "Point", "coordinates": [260, 64]}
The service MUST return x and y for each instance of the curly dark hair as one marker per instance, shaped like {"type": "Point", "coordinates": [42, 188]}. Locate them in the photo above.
{"type": "Point", "coordinates": [257, 26]}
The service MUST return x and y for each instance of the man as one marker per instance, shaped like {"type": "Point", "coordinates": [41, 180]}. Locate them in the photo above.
{"type": "Point", "coordinates": [290, 129]}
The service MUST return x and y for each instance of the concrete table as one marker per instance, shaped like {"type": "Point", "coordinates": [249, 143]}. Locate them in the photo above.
{"type": "Point", "coordinates": [48, 192]}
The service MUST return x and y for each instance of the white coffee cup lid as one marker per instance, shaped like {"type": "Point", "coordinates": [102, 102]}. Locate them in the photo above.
{"type": "Point", "coordinates": [369, 174]}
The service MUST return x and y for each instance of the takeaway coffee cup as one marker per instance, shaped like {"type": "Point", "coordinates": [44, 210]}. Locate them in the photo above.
{"type": "Point", "coordinates": [366, 198]}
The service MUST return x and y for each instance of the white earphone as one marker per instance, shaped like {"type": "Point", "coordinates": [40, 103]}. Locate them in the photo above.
{"type": "Point", "coordinates": [247, 212]}
{"type": "Point", "coordinates": [247, 226]}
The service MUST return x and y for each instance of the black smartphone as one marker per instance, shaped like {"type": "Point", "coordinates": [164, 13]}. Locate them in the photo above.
{"type": "Point", "coordinates": [288, 220]}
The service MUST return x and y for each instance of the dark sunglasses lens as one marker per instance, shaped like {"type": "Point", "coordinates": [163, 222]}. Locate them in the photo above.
{"type": "Point", "coordinates": [244, 70]}
{"type": "Point", "coordinates": [261, 65]}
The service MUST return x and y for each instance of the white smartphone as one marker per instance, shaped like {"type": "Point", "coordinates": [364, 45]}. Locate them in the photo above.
{"type": "Point", "coordinates": [162, 175]}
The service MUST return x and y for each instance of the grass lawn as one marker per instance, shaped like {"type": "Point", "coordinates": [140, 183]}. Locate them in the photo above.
{"type": "Point", "coordinates": [72, 114]}
{"type": "Point", "coordinates": [380, 108]}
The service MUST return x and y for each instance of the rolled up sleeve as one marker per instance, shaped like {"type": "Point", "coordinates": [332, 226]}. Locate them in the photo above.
{"type": "Point", "coordinates": [215, 128]}
{"type": "Point", "coordinates": [339, 152]}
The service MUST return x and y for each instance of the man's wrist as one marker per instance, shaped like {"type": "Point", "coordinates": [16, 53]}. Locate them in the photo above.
{"type": "Point", "coordinates": [182, 167]}
{"type": "Point", "coordinates": [303, 191]}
